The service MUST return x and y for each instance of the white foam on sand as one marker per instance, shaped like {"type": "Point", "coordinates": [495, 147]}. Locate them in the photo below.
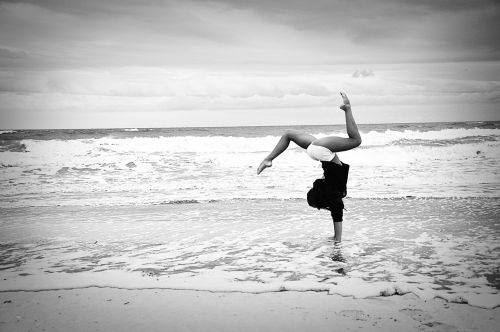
{"type": "Point", "coordinates": [220, 282]}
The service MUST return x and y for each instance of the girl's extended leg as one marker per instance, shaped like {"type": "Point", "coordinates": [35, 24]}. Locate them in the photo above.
{"type": "Point", "coordinates": [301, 139]}
{"type": "Point", "coordinates": [337, 144]}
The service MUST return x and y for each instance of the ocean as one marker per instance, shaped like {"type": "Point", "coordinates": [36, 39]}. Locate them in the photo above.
{"type": "Point", "coordinates": [183, 208]}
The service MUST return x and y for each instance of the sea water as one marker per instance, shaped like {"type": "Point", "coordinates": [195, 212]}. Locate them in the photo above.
{"type": "Point", "coordinates": [183, 208]}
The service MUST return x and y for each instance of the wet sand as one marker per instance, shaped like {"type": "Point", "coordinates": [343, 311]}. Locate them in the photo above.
{"type": "Point", "coordinates": [111, 309]}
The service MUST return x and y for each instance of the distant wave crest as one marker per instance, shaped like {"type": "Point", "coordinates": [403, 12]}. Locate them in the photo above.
{"type": "Point", "coordinates": [12, 146]}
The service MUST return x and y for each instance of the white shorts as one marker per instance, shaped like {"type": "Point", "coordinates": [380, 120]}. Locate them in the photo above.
{"type": "Point", "coordinates": [320, 153]}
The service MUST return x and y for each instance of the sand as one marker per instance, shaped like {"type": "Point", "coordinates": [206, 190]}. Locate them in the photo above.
{"type": "Point", "coordinates": [112, 309]}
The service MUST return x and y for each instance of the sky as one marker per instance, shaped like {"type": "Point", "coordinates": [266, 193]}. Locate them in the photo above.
{"type": "Point", "coordinates": [155, 63]}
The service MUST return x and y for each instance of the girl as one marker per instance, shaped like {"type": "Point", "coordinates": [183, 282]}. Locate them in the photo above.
{"type": "Point", "coordinates": [326, 193]}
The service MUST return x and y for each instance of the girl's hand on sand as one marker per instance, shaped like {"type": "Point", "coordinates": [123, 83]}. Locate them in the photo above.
{"type": "Point", "coordinates": [347, 104]}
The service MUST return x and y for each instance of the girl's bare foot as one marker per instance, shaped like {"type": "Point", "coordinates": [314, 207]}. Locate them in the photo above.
{"type": "Point", "coordinates": [347, 104]}
{"type": "Point", "coordinates": [264, 164]}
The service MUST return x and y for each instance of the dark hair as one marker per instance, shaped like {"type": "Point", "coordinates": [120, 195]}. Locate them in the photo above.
{"type": "Point", "coordinates": [323, 196]}
{"type": "Point", "coordinates": [317, 197]}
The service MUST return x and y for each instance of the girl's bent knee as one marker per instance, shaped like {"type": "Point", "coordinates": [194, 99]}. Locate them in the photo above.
{"type": "Point", "coordinates": [289, 133]}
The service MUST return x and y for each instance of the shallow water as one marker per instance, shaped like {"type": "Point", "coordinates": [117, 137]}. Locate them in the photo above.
{"type": "Point", "coordinates": [432, 247]}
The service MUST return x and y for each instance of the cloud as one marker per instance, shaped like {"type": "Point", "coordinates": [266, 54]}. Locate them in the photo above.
{"type": "Point", "coordinates": [363, 73]}
{"type": "Point", "coordinates": [92, 33]}
{"type": "Point", "coordinates": [399, 31]}
{"type": "Point", "coordinates": [158, 82]}
{"type": "Point", "coordinates": [80, 36]}
{"type": "Point", "coordinates": [167, 90]}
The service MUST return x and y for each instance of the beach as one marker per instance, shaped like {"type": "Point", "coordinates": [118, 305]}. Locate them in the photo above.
{"type": "Point", "coordinates": [111, 309]}
{"type": "Point", "coordinates": [162, 163]}
{"type": "Point", "coordinates": [173, 230]}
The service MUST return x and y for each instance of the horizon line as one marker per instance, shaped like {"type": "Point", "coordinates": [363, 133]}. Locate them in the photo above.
{"type": "Point", "coordinates": [243, 126]}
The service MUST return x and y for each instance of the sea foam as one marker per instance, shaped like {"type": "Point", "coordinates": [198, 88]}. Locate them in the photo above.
{"type": "Point", "coordinates": [457, 162]}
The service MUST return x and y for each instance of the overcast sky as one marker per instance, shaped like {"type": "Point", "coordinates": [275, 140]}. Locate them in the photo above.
{"type": "Point", "coordinates": [154, 63]}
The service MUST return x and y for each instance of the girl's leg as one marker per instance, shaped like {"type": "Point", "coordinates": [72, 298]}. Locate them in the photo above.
{"type": "Point", "coordinates": [301, 139]}
{"type": "Point", "coordinates": [337, 144]}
